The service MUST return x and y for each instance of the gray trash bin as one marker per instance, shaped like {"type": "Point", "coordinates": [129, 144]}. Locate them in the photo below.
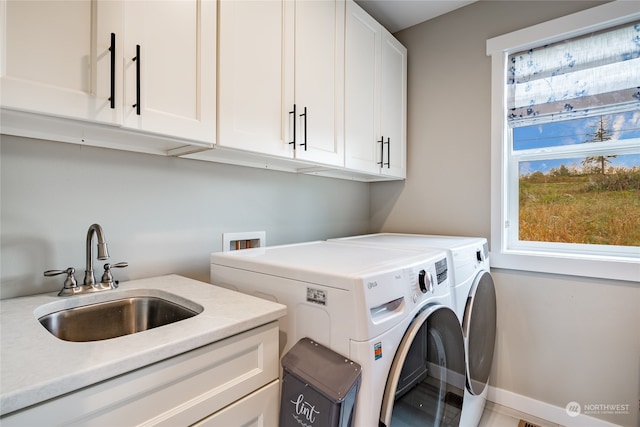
{"type": "Point", "coordinates": [319, 387]}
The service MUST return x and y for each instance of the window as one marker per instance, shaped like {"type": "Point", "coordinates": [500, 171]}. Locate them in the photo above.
{"type": "Point", "coordinates": [566, 145]}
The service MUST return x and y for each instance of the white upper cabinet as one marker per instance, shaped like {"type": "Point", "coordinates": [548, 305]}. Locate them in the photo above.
{"type": "Point", "coordinates": [306, 86]}
{"type": "Point", "coordinates": [278, 59]}
{"type": "Point", "coordinates": [362, 115]}
{"type": "Point", "coordinates": [375, 97]}
{"type": "Point", "coordinates": [75, 60]}
{"type": "Point", "coordinates": [169, 88]}
{"type": "Point", "coordinates": [319, 80]}
{"type": "Point", "coordinates": [61, 59]}
{"type": "Point", "coordinates": [393, 106]}
{"type": "Point", "coordinates": [253, 91]}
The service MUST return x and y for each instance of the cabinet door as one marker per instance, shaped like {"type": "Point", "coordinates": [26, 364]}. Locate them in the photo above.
{"type": "Point", "coordinates": [57, 58]}
{"type": "Point", "coordinates": [362, 44]}
{"type": "Point", "coordinates": [319, 80]}
{"type": "Point", "coordinates": [393, 105]}
{"type": "Point", "coordinates": [170, 85]}
{"type": "Point", "coordinates": [255, 90]}
{"type": "Point", "coordinates": [178, 391]}
{"type": "Point", "coordinates": [259, 409]}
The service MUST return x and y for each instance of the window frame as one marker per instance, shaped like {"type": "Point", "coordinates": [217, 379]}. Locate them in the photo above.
{"type": "Point", "coordinates": [581, 260]}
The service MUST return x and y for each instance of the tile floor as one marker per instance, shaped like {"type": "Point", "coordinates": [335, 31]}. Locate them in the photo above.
{"type": "Point", "coordinates": [500, 416]}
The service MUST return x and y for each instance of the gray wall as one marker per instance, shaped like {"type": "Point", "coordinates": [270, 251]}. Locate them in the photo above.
{"type": "Point", "coordinates": [162, 215]}
{"type": "Point", "coordinates": [560, 339]}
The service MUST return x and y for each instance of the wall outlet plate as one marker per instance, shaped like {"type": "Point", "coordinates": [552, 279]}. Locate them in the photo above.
{"type": "Point", "coordinates": [243, 240]}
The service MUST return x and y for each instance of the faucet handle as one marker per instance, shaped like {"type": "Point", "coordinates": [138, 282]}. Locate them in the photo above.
{"type": "Point", "coordinates": [108, 266]}
{"type": "Point", "coordinates": [68, 271]}
{"type": "Point", "coordinates": [70, 286]}
{"type": "Point", "coordinates": [107, 277]}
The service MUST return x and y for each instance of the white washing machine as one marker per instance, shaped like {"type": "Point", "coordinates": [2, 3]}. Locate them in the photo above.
{"type": "Point", "coordinates": [474, 301]}
{"type": "Point", "coordinates": [384, 308]}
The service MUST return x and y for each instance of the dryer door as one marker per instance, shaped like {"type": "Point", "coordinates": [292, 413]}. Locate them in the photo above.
{"type": "Point", "coordinates": [425, 386]}
{"type": "Point", "coordinates": [479, 329]}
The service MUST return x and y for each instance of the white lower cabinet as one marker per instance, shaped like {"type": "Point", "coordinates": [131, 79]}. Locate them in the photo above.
{"type": "Point", "coordinates": [259, 409]}
{"type": "Point", "coordinates": [230, 382]}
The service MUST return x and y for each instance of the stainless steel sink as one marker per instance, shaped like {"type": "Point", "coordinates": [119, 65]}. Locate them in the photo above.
{"type": "Point", "coordinates": [111, 319]}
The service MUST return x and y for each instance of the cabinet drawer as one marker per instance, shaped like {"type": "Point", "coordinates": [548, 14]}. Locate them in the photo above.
{"type": "Point", "coordinates": [177, 391]}
{"type": "Point", "coordinates": [259, 409]}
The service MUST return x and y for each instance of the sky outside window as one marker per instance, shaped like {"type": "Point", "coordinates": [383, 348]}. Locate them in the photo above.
{"type": "Point", "coordinates": [572, 132]}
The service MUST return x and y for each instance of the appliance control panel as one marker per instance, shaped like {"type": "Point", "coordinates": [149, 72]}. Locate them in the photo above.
{"type": "Point", "coordinates": [430, 280]}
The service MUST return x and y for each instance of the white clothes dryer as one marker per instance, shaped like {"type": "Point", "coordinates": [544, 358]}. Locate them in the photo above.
{"type": "Point", "coordinates": [385, 308]}
{"type": "Point", "coordinates": [474, 301]}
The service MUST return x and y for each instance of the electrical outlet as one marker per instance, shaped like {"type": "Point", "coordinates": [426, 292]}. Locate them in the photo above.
{"type": "Point", "coordinates": [244, 240]}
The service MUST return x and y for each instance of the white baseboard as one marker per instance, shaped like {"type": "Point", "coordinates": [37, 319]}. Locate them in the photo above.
{"type": "Point", "coordinates": [543, 410]}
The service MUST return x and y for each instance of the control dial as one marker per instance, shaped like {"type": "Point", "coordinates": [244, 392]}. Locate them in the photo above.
{"type": "Point", "coordinates": [425, 280]}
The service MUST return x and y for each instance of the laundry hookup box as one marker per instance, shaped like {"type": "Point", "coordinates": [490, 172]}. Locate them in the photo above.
{"type": "Point", "coordinates": [319, 387]}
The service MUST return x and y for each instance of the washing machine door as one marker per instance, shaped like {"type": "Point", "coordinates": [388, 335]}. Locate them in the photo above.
{"type": "Point", "coordinates": [479, 330]}
{"type": "Point", "coordinates": [426, 382]}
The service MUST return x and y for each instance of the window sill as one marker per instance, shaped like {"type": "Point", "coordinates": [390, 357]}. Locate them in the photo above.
{"type": "Point", "coordinates": [615, 268]}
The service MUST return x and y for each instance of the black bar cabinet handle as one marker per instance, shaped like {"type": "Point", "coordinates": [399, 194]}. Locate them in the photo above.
{"type": "Point", "coordinates": [294, 126]}
{"type": "Point", "coordinates": [388, 164]}
{"type": "Point", "coordinates": [112, 49]}
{"type": "Point", "coordinates": [137, 60]}
{"type": "Point", "coordinates": [381, 142]}
{"type": "Point", "coordinates": [305, 128]}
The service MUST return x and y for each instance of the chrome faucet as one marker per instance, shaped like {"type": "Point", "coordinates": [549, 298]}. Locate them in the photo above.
{"type": "Point", "coordinates": [103, 253]}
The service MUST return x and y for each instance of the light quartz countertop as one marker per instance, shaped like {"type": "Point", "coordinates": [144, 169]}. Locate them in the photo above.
{"type": "Point", "coordinates": [36, 366]}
